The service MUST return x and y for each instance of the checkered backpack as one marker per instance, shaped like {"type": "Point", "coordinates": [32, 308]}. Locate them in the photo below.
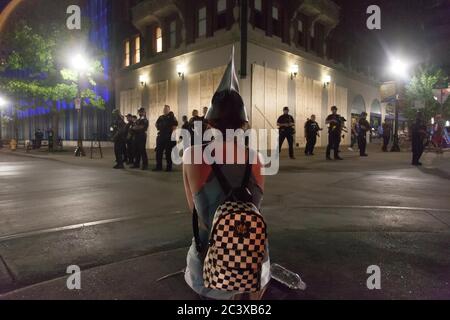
{"type": "Point", "coordinates": [237, 244]}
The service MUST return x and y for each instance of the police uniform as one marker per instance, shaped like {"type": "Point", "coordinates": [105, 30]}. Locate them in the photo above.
{"type": "Point", "coordinates": [164, 143]}
{"type": "Point", "coordinates": [418, 135]}
{"type": "Point", "coordinates": [386, 135]}
{"type": "Point", "coordinates": [286, 133]}
{"type": "Point", "coordinates": [364, 126]}
{"type": "Point", "coordinates": [334, 135]}
{"type": "Point", "coordinates": [311, 131]}
{"type": "Point", "coordinates": [118, 138]}
{"type": "Point", "coordinates": [129, 142]}
{"type": "Point", "coordinates": [140, 136]}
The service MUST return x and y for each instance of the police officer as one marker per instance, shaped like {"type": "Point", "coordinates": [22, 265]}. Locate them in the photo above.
{"type": "Point", "coordinates": [195, 130]}
{"type": "Point", "coordinates": [165, 124]}
{"type": "Point", "coordinates": [418, 135]}
{"type": "Point", "coordinates": [128, 142]}
{"type": "Point", "coordinates": [286, 126]}
{"type": "Point", "coordinates": [132, 138]}
{"type": "Point", "coordinates": [118, 137]}
{"type": "Point", "coordinates": [387, 128]}
{"type": "Point", "coordinates": [335, 126]}
{"type": "Point", "coordinates": [39, 135]}
{"type": "Point", "coordinates": [311, 133]}
{"type": "Point", "coordinates": [363, 126]}
{"type": "Point", "coordinates": [140, 135]}
{"type": "Point", "coordinates": [50, 134]}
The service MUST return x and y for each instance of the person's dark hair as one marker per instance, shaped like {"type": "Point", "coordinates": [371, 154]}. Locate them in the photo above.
{"type": "Point", "coordinates": [333, 108]}
{"type": "Point", "coordinates": [229, 113]}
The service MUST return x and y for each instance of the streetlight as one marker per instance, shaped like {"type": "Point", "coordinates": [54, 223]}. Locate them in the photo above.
{"type": "Point", "coordinates": [3, 103]}
{"type": "Point", "coordinates": [398, 68]}
{"type": "Point", "coordinates": [81, 66]}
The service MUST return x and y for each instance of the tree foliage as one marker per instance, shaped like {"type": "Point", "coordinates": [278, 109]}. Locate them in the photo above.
{"type": "Point", "coordinates": [35, 68]}
{"type": "Point", "coordinates": [420, 89]}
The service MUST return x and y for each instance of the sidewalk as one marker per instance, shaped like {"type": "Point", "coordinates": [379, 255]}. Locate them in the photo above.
{"type": "Point", "coordinates": [133, 279]}
{"type": "Point", "coordinates": [130, 279]}
{"type": "Point", "coordinates": [67, 156]}
{"type": "Point", "coordinates": [431, 160]}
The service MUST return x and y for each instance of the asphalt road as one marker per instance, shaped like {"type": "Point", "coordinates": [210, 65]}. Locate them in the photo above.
{"type": "Point", "coordinates": [328, 221]}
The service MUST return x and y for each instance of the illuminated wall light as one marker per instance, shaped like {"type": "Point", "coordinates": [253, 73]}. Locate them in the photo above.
{"type": "Point", "coordinates": [294, 71]}
{"type": "Point", "coordinates": [326, 81]}
{"type": "Point", "coordinates": [181, 70]}
{"type": "Point", "coordinates": [143, 79]}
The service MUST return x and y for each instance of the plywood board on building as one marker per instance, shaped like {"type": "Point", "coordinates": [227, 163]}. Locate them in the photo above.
{"type": "Point", "coordinates": [258, 98]}
{"type": "Point", "coordinates": [193, 92]}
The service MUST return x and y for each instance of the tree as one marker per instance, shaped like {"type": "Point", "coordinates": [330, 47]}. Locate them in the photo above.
{"type": "Point", "coordinates": [35, 70]}
{"type": "Point", "coordinates": [421, 88]}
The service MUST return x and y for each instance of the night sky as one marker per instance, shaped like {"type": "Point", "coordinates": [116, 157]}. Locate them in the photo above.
{"type": "Point", "coordinates": [407, 30]}
{"type": "Point", "coordinates": [3, 4]}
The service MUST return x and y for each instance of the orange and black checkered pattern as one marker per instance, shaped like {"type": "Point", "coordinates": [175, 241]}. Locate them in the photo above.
{"type": "Point", "coordinates": [236, 250]}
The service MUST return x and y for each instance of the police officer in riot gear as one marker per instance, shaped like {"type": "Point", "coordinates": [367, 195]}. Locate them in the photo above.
{"type": "Point", "coordinates": [335, 126]}
{"type": "Point", "coordinates": [140, 135]}
{"type": "Point", "coordinates": [165, 124]}
{"type": "Point", "coordinates": [128, 152]}
{"type": "Point", "coordinates": [363, 127]}
{"type": "Point", "coordinates": [118, 137]}
{"type": "Point", "coordinates": [286, 126]}
{"type": "Point", "coordinates": [311, 133]}
{"type": "Point", "coordinates": [418, 136]}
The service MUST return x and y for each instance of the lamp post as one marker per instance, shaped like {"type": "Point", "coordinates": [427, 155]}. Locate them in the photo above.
{"type": "Point", "coordinates": [2, 104]}
{"type": "Point", "coordinates": [400, 70]}
{"type": "Point", "coordinates": [80, 65]}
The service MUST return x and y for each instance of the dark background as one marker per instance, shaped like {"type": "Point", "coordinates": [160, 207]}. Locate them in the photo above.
{"type": "Point", "coordinates": [418, 30]}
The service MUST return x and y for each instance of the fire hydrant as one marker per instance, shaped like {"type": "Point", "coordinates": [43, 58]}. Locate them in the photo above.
{"type": "Point", "coordinates": [13, 144]}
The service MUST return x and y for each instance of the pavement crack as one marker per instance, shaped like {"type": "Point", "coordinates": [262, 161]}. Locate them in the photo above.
{"type": "Point", "coordinates": [437, 218]}
{"type": "Point", "coordinates": [8, 269]}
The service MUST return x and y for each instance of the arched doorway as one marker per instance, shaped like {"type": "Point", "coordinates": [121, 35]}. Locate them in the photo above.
{"type": "Point", "coordinates": [358, 107]}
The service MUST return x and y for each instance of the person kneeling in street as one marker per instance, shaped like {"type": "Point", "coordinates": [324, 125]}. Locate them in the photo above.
{"type": "Point", "coordinates": [225, 201]}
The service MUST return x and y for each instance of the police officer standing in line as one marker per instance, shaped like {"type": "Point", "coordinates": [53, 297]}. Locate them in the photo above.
{"type": "Point", "coordinates": [286, 126]}
{"type": "Point", "coordinates": [334, 122]}
{"type": "Point", "coordinates": [129, 154]}
{"type": "Point", "coordinates": [418, 136]}
{"type": "Point", "coordinates": [118, 137]}
{"type": "Point", "coordinates": [195, 118]}
{"type": "Point", "coordinates": [165, 124]}
{"type": "Point", "coordinates": [140, 135]}
{"type": "Point", "coordinates": [205, 122]}
{"type": "Point", "coordinates": [387, 128]}
{"type": "Point", "coordinates": [39, 135]}
{"type": "Point", "coordinates": [132, 137]}
{"type": "Point", "coordinates": [364, 126]}
{"type": "Point", "coordinates": [311, 133]}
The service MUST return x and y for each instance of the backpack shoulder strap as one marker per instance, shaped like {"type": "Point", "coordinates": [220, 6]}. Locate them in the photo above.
{"type": "Point", "coordinates": [248, 171]}
{"type": "Point", "coordinates": [224, 184]}
{"type": "Point", "coordinates": [226, 187]}
{"type": "Point", "coordinates": [196, 230]}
